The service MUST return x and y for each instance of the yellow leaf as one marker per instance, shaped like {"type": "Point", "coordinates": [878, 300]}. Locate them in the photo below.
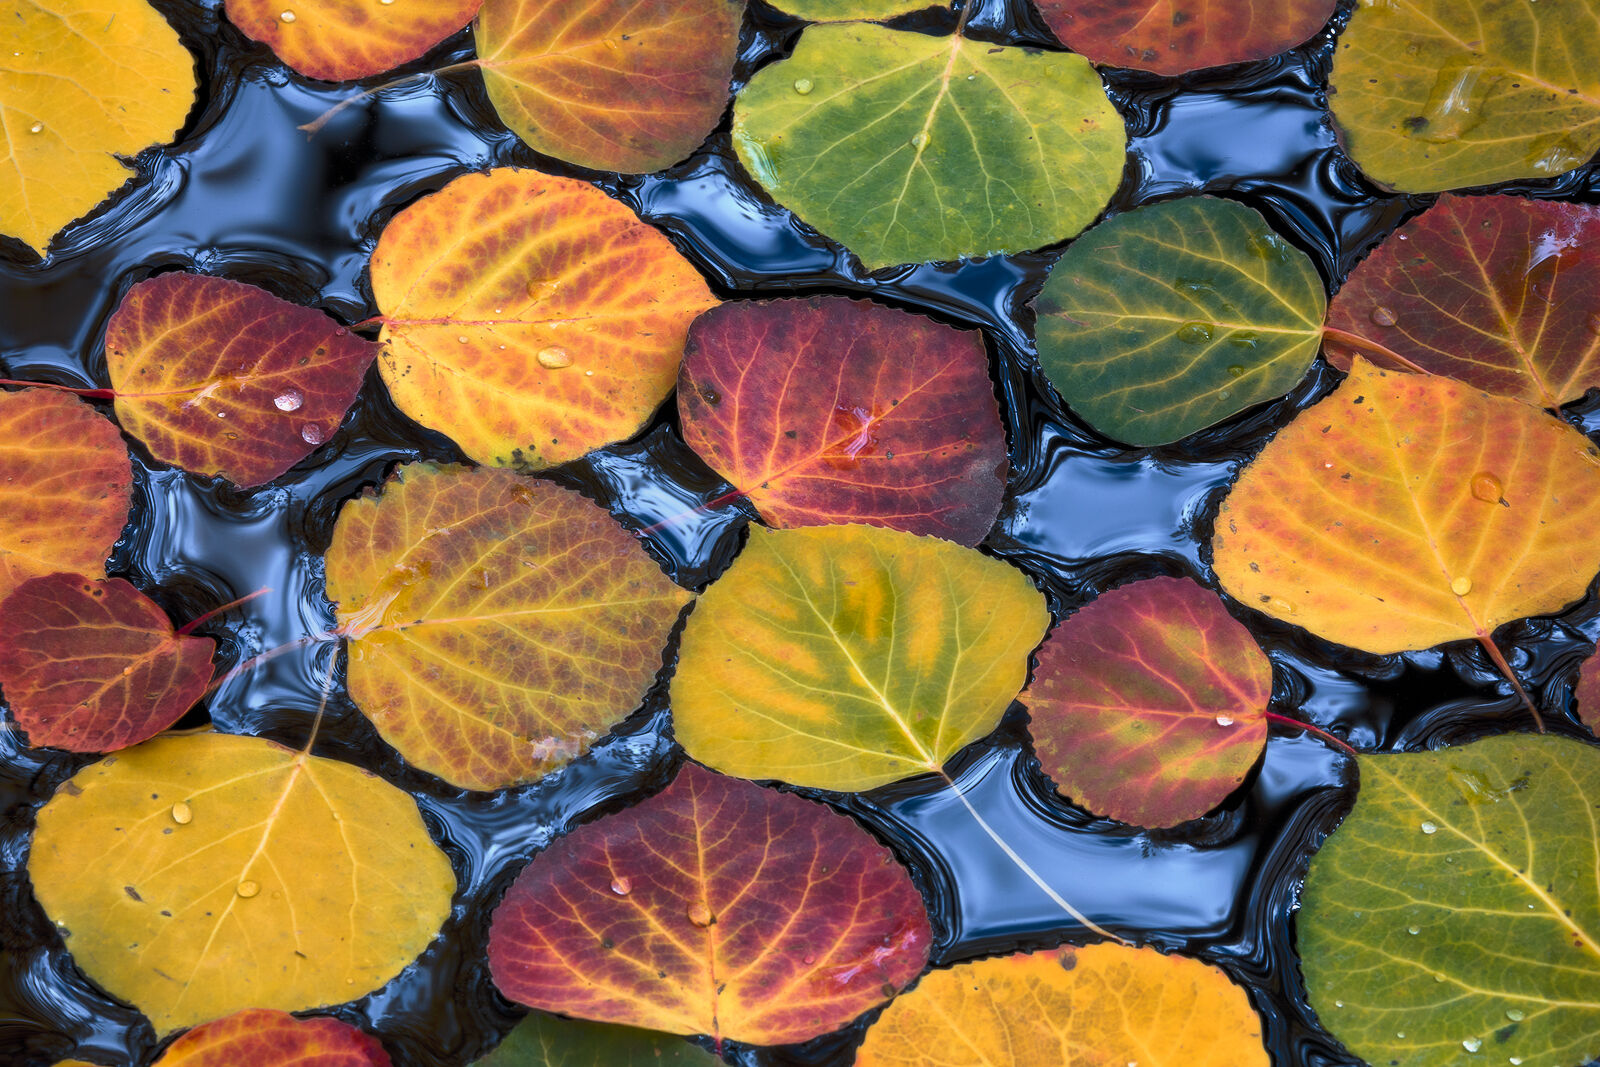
{"type": "Point", "coordinates": [195, 876]}
{"type": "Point", "coordinates": [81, 83]}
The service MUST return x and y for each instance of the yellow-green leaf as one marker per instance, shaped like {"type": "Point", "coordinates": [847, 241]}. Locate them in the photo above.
{"type": "Point", "coordinates": [851, 10]}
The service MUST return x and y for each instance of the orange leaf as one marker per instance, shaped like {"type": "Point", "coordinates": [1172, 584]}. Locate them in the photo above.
{"type": "Point", "coordinates": [340, 40]}
{"type": "Point", "coordinates": [93, 666]}
{"type": "Point", "coordinates": [219, 377]}
{"type": "Point", "coordinates": [1177, 36]}
{"type": "Point", "coordinates": [261, 1036]}
{"type": "Point", "coordinates": [531, 318]}
{"type": "Point", "coordinates": [1587, 696]}
{"type": "Point", "coordinates": [1405, 510]}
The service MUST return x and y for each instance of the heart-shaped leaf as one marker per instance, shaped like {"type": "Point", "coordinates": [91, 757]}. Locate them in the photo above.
{"type": "Point", "coordinates": [851, 10]}
{"type": "Point", "coordinates": [260, 1036]}
{"type": "Point", "coordinates": [542, 1040]}
{"type": "Point", "coordinates": [1177, 36]}
{"type": "Point", "coordinates": [339, 40]}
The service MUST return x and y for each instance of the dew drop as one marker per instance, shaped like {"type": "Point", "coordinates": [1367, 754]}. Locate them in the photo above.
{"type": "Point", "coordinates": [1429, 828]}
{"type": "Point", "coordinates": [1224, 720]}
{"type": "Point", "coordinates": [1594, 324]}
{"type": "Point", "coordinates": [1383, 316]}
{"type": "Point", "coordinates": [248, 889]}
{"type": "Point", "coordinates": [461, 338]}
{"type": "Point", "coordinates": [1235, 371]}
{"type": "Point", "coordinates": [1413, 930]}
{"type": "Point", "coordinates": [1554, 153]}
{"type": "Point", "coordinates": [1461, 586]}
{"type": "Point", "coordinates": [1515, 1060]}
{"type": "Point", "coordinates": [287, 16]}
{"type": "Point", "coordinates": [289, 400]}
{"type": "Point", "coordinates": [554, 358]}
{"type": "Point", "coordinates": [385, 3]}
{"type": "Point", "coordinates": [809, 958]}
{"type": "Point", "coordinates": [1471, 1044]}
{"type": "Point", "coordinates": [1487, 487]}
{"type": "Point", "coordinates": [1195, 333]}
{"type": "Point", "coordinates": [1338, 1003]}
{"type": "Point", "coordinates": [802, 86]}
{"type": "Point", "coordinates": [1516, 1015]}
{"type": "Point", "coordinates": [37, 127]}
{"type": "Point", "coordinates": [622, 886]}
{"type": "Point", "coordinates": [312, 434]}
{"type": "Point", "coordinates": [182, 814]}
{"type": "Point", "coordinates": [1456, 104]}
{"type": "Point", "coordinates": [700, 915]}
{"type": "Point", "coordinates": [1280, 607]}
{"type": "Point", "coordinates": [920, 140]}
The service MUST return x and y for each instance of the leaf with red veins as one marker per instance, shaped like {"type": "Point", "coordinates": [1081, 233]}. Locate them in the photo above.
{"type": "Point", "coordinates": [340, 40]}
{"type": "Point", "coordinates": [262, 1036]}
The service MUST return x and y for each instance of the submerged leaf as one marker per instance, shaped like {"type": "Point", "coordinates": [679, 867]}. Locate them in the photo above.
{"type": "Point", "coordinates": [339, 40]}
{"type": "Point", "coordinates": [260, 1036]}
{"type": "Point", "coordinates": [831, 410]}
{"type": "Point", "coordinates": [542, 1040]}
{"type": "Point", "coordinates": [715, 907]}
{"type": "Point", "coordinates": [196, 876]}
{"type": "Point", "coordinates": [851, 10]}
{"type": "Point", "coordinates": [1177, 36]}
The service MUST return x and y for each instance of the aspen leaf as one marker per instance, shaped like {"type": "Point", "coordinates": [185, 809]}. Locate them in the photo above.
{"type": "Point", "coordinates": [1587, 696]}
{"type": "Point", "coordinates": [715, 907]}
{"type": "Point", "coordinates": [542, 1040]}
{"type": "Point", "coordinates": [1177, 36]}
{"type": "Point", "coordinates": [851, 10]}
{"type": "Point", "coordinates": [261, 1036]}
{"type": "Point", "coordinates": [531, 318]}
{"type": "Point", "coordinates": [196, 876]}
{"type": "Point", "coordinates": [340, 40]}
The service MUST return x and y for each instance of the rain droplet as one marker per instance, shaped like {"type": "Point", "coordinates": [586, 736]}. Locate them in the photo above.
{"type": "Point", "coordinates": [1338, 1003]}
{"type": "Point", "coordinates": [809, 958]}
{"type": "Point", "coordinates": [1280, 606]}
{"type": "Point", "coordinates": [1383, 316]}
{"type": "Point", "coordinates": [1235, 371]}
{"type": "Point", "coordinates": [700, 915]}
{"type": "Point", "coordinates": [37, 127]}
{"type": "Point", "coordinates": [312, 434]}
{"type": "Point", "coordinates": [554, 358]}
{"type": "Point", "coordinates": [287, 16]}
{"type": "Point", "coordinates": [385, 3]}
{"type": "Point", "coordinates": [920, 140]}
{"type": "Point", "coordinates": [1456, 102]}
{"type": "Point", "coordinates": [182, 814]}
{"type": "Point", "coordinates": [1224, 720]}
{"type": "Point", "coordinates": [461, 338]}
{"type": "Point", "coordinates": [1554, 153]}
{"type": "Point", "coordinates": [1461, 586]}
{"type": "Point", "coordinates": [1471, 1044]}
{"type": "Point", "coordinates": [1429, 828]}
{"type": "Point", "coordinates": [1195, 333]}
{"type": "Point", "coordinates": [802, 86]}
{"type": "Point", "coordinates": [622, 886]}
{"type": "Point", "coordinates": [289, 400]}
{"type": "Point", "coordinates": [1487, 487]}
{"type": "Point", "coordinates": [1413, 930]}
{"type": "Point", "coordinates": [1594, 323]}
{"type": "Point", "coordinates": [1516, 1015]}
{"type": "Point", "coordinates": [248, 889]}
{"type": "Point", "coordinates": [1515, 1060]}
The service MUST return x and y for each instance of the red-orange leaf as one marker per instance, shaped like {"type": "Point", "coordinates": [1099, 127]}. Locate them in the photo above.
{"type": "Point", "coordinates": [1149, 705]}
{"type": "Point", "coordinates": [715, 907]}
{"type": "Point", "coordinates": [1175, 36]}
{"type": "Point", "coordinates": [830, 410]}
{"type": "Point", "coordinates": [1588, 694]}
{"type": "Point", "coordinates": [93, 666]}
{"type": "Point", "coordinates": [219, 377]}
{"type": "Point", "coordinates": [338, 40]}
{"type": "Point", "coordinates": [260, 1036]}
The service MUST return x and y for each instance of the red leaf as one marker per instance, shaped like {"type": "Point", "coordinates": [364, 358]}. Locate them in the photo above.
{"type": "Point", "coordinates": [1588, 692]}
{"type": "Point", "coordinates": [94, 665]}
{"type": "Point", "coordinates": [339, 40]}
{"type": "Point", "coordinates": [1176, 36]}
{"type": "Point", "coordinates": [260, 1037]}
{"type": "Point", "coordinates": [831, 410]}
{"type": "Point", "coordinates": [714, 907]}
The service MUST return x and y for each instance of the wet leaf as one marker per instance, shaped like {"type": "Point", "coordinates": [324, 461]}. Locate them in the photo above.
{"type": "Point", "coordinates": [195, 876]}
{"type": "Point", "coordinates": [64, 486]}
{"type": "Point", "coordinates": [496, 624]}
{"type": "Point", "coordinates": [85, 84]}
{"type": "Point", "coordinates": [1587, 696]}
{"type": "Point", "coordinates": [1457, 904]}
{"type": "Point", "coordinates": [905, 147]}
{"type": "Point", "coordinates": [1437, 94]}
{"type": "Point", "coordinates": [340, 40]}
{"type": "Point", "coordinates": [831, 410]}
{"type": "Point", "coordinates": [1406, 510]}
{"type": "Point", "coordinates": [1177, 36]}
{"type": "Point", "coordinates": [1148, 704]}
{"type": "Point", "coordinates": [715, 907]}
{"type": "Point", "coordinates": [627, 85]}
{"type": "Point", "coordinates": [260, 1036]}
{"type": "Point", "coordinates": [851, 10]}
{"type": "Point", "coordinates": [1173, 317]}
{"type": "Point", "coordinates": [93, 666]}
{"type": "Point", "coordinates": [218, 377]}
{"type": "Point", "coordinates": [529, 317]}
{"type": "Point", "coordinates": [543, 1040]}
{"type": "Point", "coordinates": [1500, 292]}
{"type": "Point", "coordinates": [1103, 1005]}
{"type": "Point", "coordinates": [847, 657]}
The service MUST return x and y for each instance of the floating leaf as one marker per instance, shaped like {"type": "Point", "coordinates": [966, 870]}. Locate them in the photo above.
{"type": "Point", "coordinates": [195, 876]}
{"type": "Point", "coordinates": [543, 1040]}
{"type": "Point", "coordinates": [1172, 317]}
{"type": "Point", "coordinates": [339, 40]}
{"type": "Point", "coordinates": [1587, 696]}
{"type": "Point", "coordinates": [1500, 292]}
{"type": "Point", "coordinates": [1406, 510]}
{"type": "Point", "coordinates": [831, 410]}
{"type": "Point", "coordinates": [496, 624]}
{"type": "Point", "coordinates": [219, 377]}
{"type": "Point", "coordinates": [93, 666]}
{"type": "Point", "coordinates": [610, 84]}
{"type": "Point", "coordinates": [64, 486]}
{"type": "Point", "coordinates": [851, 10]}
{"type": "Point", "coordinates": [1177, 36]}
{"type": "Point", "coordinates": [1102, 1005]}
{"type": "Point", "coordinates": [715, 907]}
{"type": "Point", "coordinates": [84, 86]}
{"type": "Point", "coordinates": [1457, 905]}
{"type": "Point", "coordinates": [1437, 94]}
{"type": "Point", "coordinates": [1149, 703]}
{"type": "Point", "coordinates": [529, 317]}
{"type": "Point", "coordinates": [260, 1036]}
{"type": "Point", "coordinates": [846, 657]}
{"type": "Point", "coordinates": [905, 147]}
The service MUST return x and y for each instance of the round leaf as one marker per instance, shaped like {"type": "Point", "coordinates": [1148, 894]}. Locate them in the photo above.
{"type": "Point", "coordinates": [196, 876]}
{"type": "Point", "coordinates": [905, 147]}
{"type": "Point", "coordinates": [1406, 510]}
{"type": "Point", "coordinates": [260, 1036]}
{"type": "Point", "coordinates": [1457, 905]}
{"type": "Point", "coordinates": [497, 625]}
{"type": "Point", "coordinates": [1149, 703]}
{"type": "Point", "coordinates": [339, 40]}
{"type": "Point", "coordinates": [846, 657]}
{"type": "Point", "coordinates": [830, 410]}
{"type": "Point", "coordinates": [1587, 696]}
{"type": "Point", "coordinates": [531, 318]}
{"type": "Point", "coordinates": [543, 1040]}
{"type": "Point", "coordinates": [715, 907]}
{"type": "Point", "coordinates": [851, 10]}
{"type": "Point", "coordinates": [1177, 36]}
{"type": "Point", "coordinates": [1170, 318]}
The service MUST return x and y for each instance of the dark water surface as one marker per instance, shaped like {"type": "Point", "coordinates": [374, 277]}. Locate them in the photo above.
{"type": "Point", "coordinates": [245, 194]}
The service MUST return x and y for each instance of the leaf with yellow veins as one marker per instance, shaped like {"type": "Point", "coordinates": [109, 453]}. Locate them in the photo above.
{"type": "Point", "coordinates": [531, 318]}
{"type": "Point", "coordinates": [82, 83]}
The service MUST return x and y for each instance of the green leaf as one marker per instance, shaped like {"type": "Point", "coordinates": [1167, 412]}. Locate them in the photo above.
{"type": "Point", "coordinates": [1456, 909]}
{"type": "Point", "coordinates": [851, 10]}
{"type": "Point", "coordinates": [1170, 318]}
{"type": "Point", "coordinates": [543, 1040]}
{"type": "Point", "coordinates": [905, 147]}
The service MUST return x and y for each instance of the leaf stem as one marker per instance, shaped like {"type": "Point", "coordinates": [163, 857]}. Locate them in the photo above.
{"type": "Point", "coordinates": [91, 394]}
{"type": "Point", "coordinates": [967, 8]}
{"type": "Point", "coordinates": [709, 505]}
{"type": "Point", "coordinates": [270, 654]}
{"type": "Point", "coordinates": [1374, 347]}
{"type": "Point", "coordinates": [322, 704]}
{"type": "Point", "coordinates": [189, 627]}
{"type": "Point", "coordinates": [1284, 720]}
{"type": "Point", "coordinates": [315, 126]}
{"type": "Point", "coordinates": [1511, 676]}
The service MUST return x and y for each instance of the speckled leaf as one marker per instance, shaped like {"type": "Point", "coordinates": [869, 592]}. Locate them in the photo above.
{"type": "Point", "coordinates": [1444, 94]}
{"type": "Point", "coordinates": [1172, 317]}
{"type": "Point", "coordinates": [1177, 36]}
{"type": "Point", "coordinates": [851, 10]}
{"type": "Point", "coordinates": [1457, 905]}
{"type": "Point", "coordinates": [338, 40]}
{"type": "Point", "coordinates": [260, 1036]}
{"type": "Point", "coordinates": [496, 624]}
{"type": "Point", "coordinates": [218, 377]}
{"type": "Point", "coordinates": [846, 657]}
{"type": "Point", "coordinates": [84, 84]}
{"type": "Point", "coordinates": [529, 317]}
{"type": "Point", "coordinates": [93, 666]}
{"type": "Point", "coordinates": [1587, 696]}
{"type": "Point", "coordinates": [196, 876]}
{"type": "Point", "coordinates": [1148, 704]}
{"type": "Point", "coordinates": [831, 410]}
{"type": "Point", "coordinates": [628, 85]}
{"type": "Point", "coordinates": [905, 147]}
{"type": "Point", "coordinates": [1500, 292]}
{"type": "Point", "coordinates": [1103, 1005]}
{"type": "Point", "coordinates": [543, 1040]}
{"type": "Point", "coordinates": [715, 907]}
{"type": "Point", "coordinates": [1406, 510]}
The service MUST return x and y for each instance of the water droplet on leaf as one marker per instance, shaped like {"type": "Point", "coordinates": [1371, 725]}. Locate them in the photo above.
{"type": "Point", "coordinates": [289, 400]}
{"type": "Point", "coordinates": [1413, 930]}
{"type": "Point", "coordinates": [1516, 1015]}
{"type": "Point", "coordinates": [37, 127]}
{"type": "Point", "coordinates": [182, 814]}
{"type": "Point", "coordinates": [1383, 316]}
{"type": "Point", "coordinates": [1429, 828]}
{"type": "Point", "coordinates": [1461, 586]}
{"type": "Point", "coordinates": [622, 886]}
{"type": "Point", "coordinates": [1195, 333]}
{"type": "Point", "coordinates": [312, 434]}
{"type": "Point", "coordinates": [700, 915]}
{"type": "Point", "coordinates": [920, 140]}
{"type": "Point", "coordinates": [1224, 720]}
{"type": "Point", "coordinates": [554, 358]}
{"type": "Point", "coordinates": [802, 86]}
{"type": "Point", "coordinates": [1487, 487]}
{"type": "Point", "coordinates": [248, 889]}
{"type": "Point", "coordinates": [1456, 103]}
{"type": "Point", "coordinates": [287, 16]}
{"type": "Point", "coordinates": [1471, 1044]}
